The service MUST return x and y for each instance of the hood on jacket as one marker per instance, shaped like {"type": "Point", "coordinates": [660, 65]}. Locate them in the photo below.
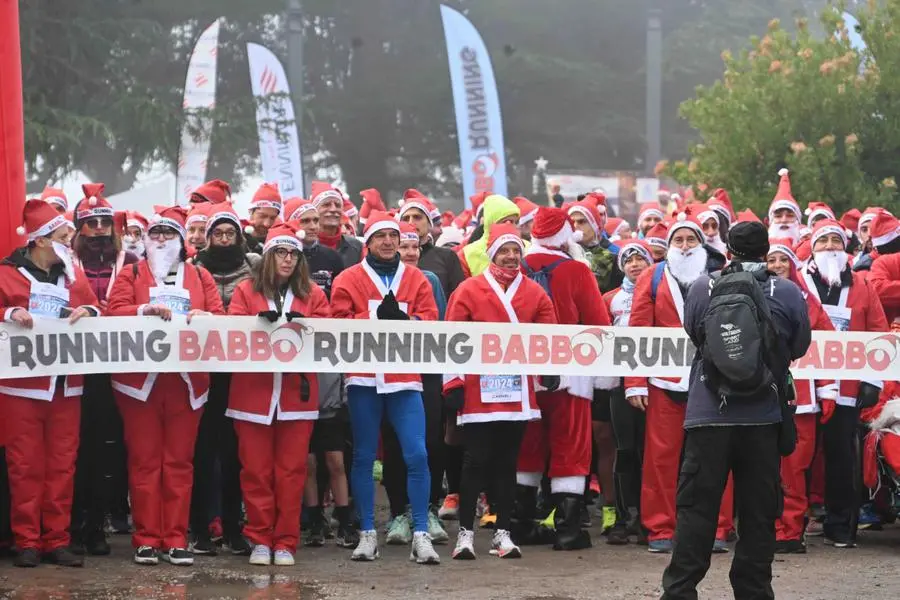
{"type": "Point", "coordinates": [496, 207]}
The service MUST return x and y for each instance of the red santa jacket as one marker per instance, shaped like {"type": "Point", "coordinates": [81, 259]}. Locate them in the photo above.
{"type": "Point", "coordinates": [866, 314]}
{"type": "Point", "coordinates": [128, 297]}
{"type": "Point", "coordinates": [15, 292]}
{"type": "Point", "coordinates": [810, 393]}
{"type": "Point", "coordinates": [256, 396]}
{"type": "Point", "coordinates": [577, 300]}
{"type": "Point", "coordinates": [618, 303]}
{"type": "Point", "coordinates": [356, 294]}
{"type": "Point", "coordinates": [481, 299]}
{"type": "Point", "coordinates": [666, 311]}
{"type": "Point", "coordinates": [885, 278]}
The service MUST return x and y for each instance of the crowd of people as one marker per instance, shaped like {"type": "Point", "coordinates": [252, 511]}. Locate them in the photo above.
{"type": "Point", "coordinates": [247, 463]}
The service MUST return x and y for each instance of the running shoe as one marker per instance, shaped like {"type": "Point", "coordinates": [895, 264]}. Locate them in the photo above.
{"type": "Point", "coordinates": [367, 549]}
{"type": "Point", "coordinates": [450, 508]}
{"type": "Point", "coordinates": [503, 546]}
{"type": "Point", "coordinates": [261, 556]}
{"type": "Point", "coordinates": [422, 551]}
{"type": "Point", "coordinates": [399, 531]}
{"type": "Point", "coordinates": [465, 545]}
{"type": "Point", "coordinates": [435, 529]}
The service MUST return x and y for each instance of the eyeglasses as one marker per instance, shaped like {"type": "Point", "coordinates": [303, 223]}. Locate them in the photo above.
{"type": "Point", "coordinates": [229, 234]}
{"type": "Point", "coordinates": [162, 234]}
{"type": "Point", "coordinates": [99, 223]}
{"type": "Point", "coordinates": [283, 253]}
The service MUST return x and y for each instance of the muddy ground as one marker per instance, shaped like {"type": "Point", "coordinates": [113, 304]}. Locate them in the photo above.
{"type": "Point", "coordinates": [869, 572]}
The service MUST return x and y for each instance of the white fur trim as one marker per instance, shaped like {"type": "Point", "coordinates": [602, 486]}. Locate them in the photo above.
{"type": "Point", "coordinates": [265, 204]}
{"type": "Point", "coordinates": [783, 172]}
{"type": "Point", "coordinates": [45, 229]}
{"type": "Point", "coordinates": [567, 485]}
{"type": "Point", "coordinates": [303, 208]}
{"type": "Point", "coordinates": [829, 229]}
{"type": "Point", "coordinates": [504, 239]}
{"type": "Point", "coordinates": [20, 230]}
{"type": "Point", "coordinates": [411, 204]}
{"type": "Point", "coordinates": [684, 224]}
{"type": "Point", "coordinates": [529, 479]}
{"type": "Point", "coordinates": [886, 238]}
{"type": "Point", "coordinates": [158, 221]}
{"type": "Point", "coordinates": [651, 212]}
{"type": "Point", "coordinates": [527, 217]}
{"type": "Point", "coordinates": [384, 224]}
{"type": "Point", "coordinates": [784, 250]}
{"type": "Point", "coordinates": [285, 241]}
{"type": "Point", "coordinates": [587, 215]}
{"type": "Point", "coordinates": [557, 240]}
{"type": "Point", "coordinates": [323, 196]}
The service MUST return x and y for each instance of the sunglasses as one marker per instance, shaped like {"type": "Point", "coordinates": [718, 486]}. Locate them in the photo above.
{"type": "Point", "coordinates": [162, 234]}
{"type": "Point", "coordinates": [99, 223]}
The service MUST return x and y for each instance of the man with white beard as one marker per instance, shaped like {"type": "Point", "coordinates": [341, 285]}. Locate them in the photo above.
{"type": "Point", "coordinates": [784, 212]}
{"type": "Point", "coordinates": [852, 304]}
{"type": "Point", "coordinates": [659, 302]}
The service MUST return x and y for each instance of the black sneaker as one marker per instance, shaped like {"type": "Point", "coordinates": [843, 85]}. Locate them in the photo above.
{"type": "Point", "coordinates": [347, 537]}
{"type": "Point", "coordinates": [617, 535]}
{"type": "Point", "coordinates": [63, 557]}
{"type": "Point", "coordinates": [790, 547]}
{"type": "Point", "coordinates": [95, 543]}
{"type": "Point", "coordinates": [238, 544]}
{"type": "Point", "coordinates": [180, 557]}
{"type": "Point", "coordinates": [145, 555]}
{"type": "Point", "coordinates": [315, 535]}
{"type": "Point", "coordinates": [28, 558]}
{"type": "Point", "coordinates": [203, 545]}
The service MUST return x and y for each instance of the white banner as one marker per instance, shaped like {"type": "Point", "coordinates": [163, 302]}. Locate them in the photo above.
{"type": "Point", "coordinates": [199, 93]}
{"type": "Point", "coordinates": [279, 144]}
{"type": "Point", "coordinates": [251, 344]}
{"type": "Point", "coordinates": [479, 127]}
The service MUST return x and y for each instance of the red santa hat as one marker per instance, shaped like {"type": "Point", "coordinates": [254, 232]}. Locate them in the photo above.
{"type": "Point", "coordinates": [552, 228]}
{"type": "Point", "coordinates": [747, 216]}
{"type": "Point", "coordinates": [377, 221]}
{"type": "Point", "coordinates": [589, 209]}
{"type": "Point", "coordinates": [868, 214]}
{"type": "Point", "coordinates": [683, 220]}
{"type": "Point", "coordinates": [885, 229]}
{"type": "Point", "coordinates": [783, 197]}
{"type": "Point", "coordinates": [447, 218]}
{"type": "Point", "coordinates": [222, 212]}
{"type": "Point", "coordinates": [825, 227]}
{"type": "Point", "coordinates": [658, 236]}
{"type": "Point", "coordinates": [650, 209]}
{"type": "Point", "coordinates": [93, 205]}
{"type": "Point", "coordinates": [408, 233]}
{"type": "Point", "coordinates": [599, 200]}
{"type": "Point", "coordinates": [267, 196]}
{"type": "Point", "coordinates": [502, 234]}
{"type": "Point", "coordinates": [614, 225]}
{"type": "Point", "coordinates": [816, 210]}
{"type": "Point", "coordinates": [803, 250]}
{"type": "Point", "coordinates": [527, 209]}
{"type": "Point", "coordinates": [170, 216]}
{"type": "Point", "coordinates": [477, 202]}
{"type": "Point", "coordinates": [371, 201]}
{"type": "Point", "coordinates": [136, 219]}
{"type": "Point", "coordinates": [321, 191]}
{"type": "Point", "coordinates": [720, 202]}
{"type": "Point", "coordinates": [55, 197]}
{"type": "Point", "coordinates": [350, 209]}
{"type": "Point", "coordinates": [284, 235]}
{"type": "Point", "coordinates": [40, 219]}
{"type": "Point", "coordinates": [463, 219]}
{"type": "Point", "coordinates": [295, 207]}
{"type": "Point", "coordinates": [214, 191]}
{"type": "Point", "coordinates": [850, 220]}
{"type": "Point", "coordinates": [785, 246]}
{"type": "Point", "coordinates": [199, 213]}
{"type": "Point", "coordinates": [704, 213]}
{"type": "Point", "coordinates": [415, 199]}
{"type": "Point", "coordinates": [631, 248]}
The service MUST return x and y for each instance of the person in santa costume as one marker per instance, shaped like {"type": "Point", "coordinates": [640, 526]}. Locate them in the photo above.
{"type": "Point", "coordinates": [135, 228]}
{"type": "Point", "coordinates": [720, 202]}
{"type": "Point", "coordinates": [885, 273]}
{"type": "Point", "coordinates": [564, 431]}
{"type": "Point", "coordinates": [197, 218]}
{"type": "Point", "coordinates": [627, 423]}
{"type": "Point", "coordinates": [214, 191]}
{"type": "Point", "coordinates": [494, 209]}
{"type": "Point", "coordinates": [784, 213]}
{"type": "Point", "coordinates": [383, 288]}
{"type": "Point", "coordinates": [657, 240]}
{"type": "Point", "coordinates": [351, 214]}
{"type": "Point", "coordinates": [329, 201]}
{"type": "Point", "coordinates": [852, 304]}
{"type": "Point", "coordinates": [493, 410]}
{"type": "Point", "coordinates": [42, 414]}
{"type": "Point", "coordinates": [710, 221]}
{"type": "Point", "coordinates": [161, 411]}
{"type": "Point", "coordinates": [56, 198]}
{"type": "Point", "coordinates": [617, 230]}
{"type": "Point", "coordinates": [101, 476]}
{"type": "Point", "coordinates": [274, 413]}
{"type": "Point", "coordinates": [659, 302]}
{"type": "Point", "coordinates": [371, 202]}
{"type": "Point", "coordinates": [527, 212]}
{"type": "Point", "coordinates": [867, 252]}
{"type": "Point", "coordinates": [589, 218]}
{"type": "Point", "coordinates": [265, 209]}
{"type": "Point", "coordinates": [649, 215]}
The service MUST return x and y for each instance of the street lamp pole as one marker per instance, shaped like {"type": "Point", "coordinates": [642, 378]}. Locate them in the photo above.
{"type": "Point", "coordinates": [654, 90]}
{"type": "Point", "coordinates": [295, 70]}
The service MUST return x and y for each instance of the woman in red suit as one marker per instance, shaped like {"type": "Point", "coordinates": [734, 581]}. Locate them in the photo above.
{"type": "Point", "coordinates": [161, 411]}
{"type": "Point", "coordinates": [274, 413]}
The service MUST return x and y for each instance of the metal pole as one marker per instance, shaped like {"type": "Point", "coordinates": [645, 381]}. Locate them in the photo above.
{"type": "Point", "coordinates": [295, 71]}
{"type": "Point", "coordinates": [654, 90]}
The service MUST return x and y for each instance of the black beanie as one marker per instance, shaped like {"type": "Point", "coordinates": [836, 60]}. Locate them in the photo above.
{"type": "Point", "coordinates": [749, 241]}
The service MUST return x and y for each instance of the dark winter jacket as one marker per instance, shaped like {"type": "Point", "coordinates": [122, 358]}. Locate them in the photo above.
{"type": "Point", "coordinates": [324, 265]}
{"type": "Point", "coordinates": [444, 263]}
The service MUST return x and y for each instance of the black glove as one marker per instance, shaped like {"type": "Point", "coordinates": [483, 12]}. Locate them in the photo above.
{"type": "Point", "coordinates": [551, 382]}
{"type": "Point", "coordinates": [867, 396]}
{"type": "Point", "coordinates": [389, 309]}
{"type": "Point", "coordinates": [455, 399]}
{"type": "Point", "coordinates": [270, 315]}
{"type": "Point", "coordinates": [294, 315]}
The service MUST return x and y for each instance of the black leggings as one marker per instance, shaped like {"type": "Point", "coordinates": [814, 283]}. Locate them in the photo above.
{"type": "Point", "coordinates": [628, 429]}
{"type": "Point", "coordinates": [491, 452]}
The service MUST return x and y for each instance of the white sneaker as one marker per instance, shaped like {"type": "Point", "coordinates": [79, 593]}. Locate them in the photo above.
{"type": "Point", "coordinates": [422, 551]}
{"type": "Point", "coordinates": [261, 556]}
{"type": "Point", "coordinates": [465, 548]}
{"type": "Point", "coordinates": [368, 546]}
{"type": "Point", "coordinates": [502, 545]}
{"type": "Point", "coordinates": [284, 558]}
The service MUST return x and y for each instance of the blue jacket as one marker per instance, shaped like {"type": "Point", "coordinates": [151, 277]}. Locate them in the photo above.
{"type": "Point", "coordinates": [439, 298]}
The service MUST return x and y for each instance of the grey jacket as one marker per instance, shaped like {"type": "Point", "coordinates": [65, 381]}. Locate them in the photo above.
{"type": "Point", "coordinates": [227, 282]}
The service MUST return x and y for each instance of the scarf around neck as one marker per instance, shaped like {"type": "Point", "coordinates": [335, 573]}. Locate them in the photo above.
{"type": "Point", "coordinates": [384, 268]}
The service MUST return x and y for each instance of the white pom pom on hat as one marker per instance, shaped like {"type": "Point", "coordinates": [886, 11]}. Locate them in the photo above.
{"type": "Point", "coordinates": [20, 230]}
{"type": "Point", "coordinates": [682, 217]}
{"type": "Point", "coordinates": [782, 172]}
{"type": "Point", "coordinates": [301, 234]}
{"type": "Point", "coordinates": [92, 201]}
{"type": "Point", "coordinates": [249, 230]}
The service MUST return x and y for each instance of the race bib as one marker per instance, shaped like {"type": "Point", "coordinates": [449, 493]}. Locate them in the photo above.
{"type": "Point", "coordinates": [840, 317]}
{"type": "Point", "coordinates": [496, 389]}
{"type": "Point", "coordinates": [47, 300]}
{"type": "Point", "coordinates": [178, 300]}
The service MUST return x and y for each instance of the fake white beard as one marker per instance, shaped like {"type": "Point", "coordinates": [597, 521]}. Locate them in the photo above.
{"type": "Point", "coordinates": [161, 256]}
{"type": "Point", "coordinates": [134, 245]}
{"type": "Point", "coordinates": [687, 266]}
{"type": "Point", "coordinates": [64, 253]}
{"type": "Point", "coordinates": [791, 231]}
{"type": "Point", "coordinates": [831, 264]}
{"type": "Point", "coordinates": [717, 243]}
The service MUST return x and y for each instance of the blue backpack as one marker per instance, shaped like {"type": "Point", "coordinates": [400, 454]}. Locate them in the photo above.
{"type": "Point", "coordinates": [658, 272]}
{"type": "Point", "coordinates": [542, 276]}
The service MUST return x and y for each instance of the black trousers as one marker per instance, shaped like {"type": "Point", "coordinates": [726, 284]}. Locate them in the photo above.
{"type": "Point", "coordinates": [394, 470]}
{"type": "Point", "coordinates": [751, 454]}
{"type": "Point", "coordinates": [491, 451]}
{"type": "Point", "coordinates": [216, 441]}
{"type": "Point", "coordinates": [101, 472]}
{"type": "Point", "coordinates": [628, 425]}
{"type": "Point", "coordinates": [840, 442]}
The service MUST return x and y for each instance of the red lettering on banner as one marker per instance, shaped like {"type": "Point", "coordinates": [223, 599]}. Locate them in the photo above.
{"type": "Point", "coordinates": [515, 351]}
{"type": "Point", "coordinates": [833, 356]}
{"type": "Point", "coordinates": [811, 360]}
{"type": "Point", "coordinates": [538, 350]}
{"type": "Point", "coordinates": [856, 356]}
{"type": "Point", "coordinates": [284, 351]}
{"type": "Point", "coordinates": [260, 348]}
{"type": "Point", "coordinates": [879, 359]}
{"type": "Point", "coordinates": [491, 352]}
{"type": "Point", "coordinates": [188, 348]}
{"type": "Point", "coordinates": [213, 349]}
{"type": "Point", "coordinates": [237, 345]}
{"type": "Point", "coordinates": [562, 350]}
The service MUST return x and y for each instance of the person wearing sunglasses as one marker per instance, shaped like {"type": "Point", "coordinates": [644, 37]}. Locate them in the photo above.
{"type": "Point", "coordinates": [161, 411]}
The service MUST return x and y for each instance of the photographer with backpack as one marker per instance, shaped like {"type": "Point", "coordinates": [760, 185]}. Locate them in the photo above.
{"type": "Point", "coordinates": [747, 325]}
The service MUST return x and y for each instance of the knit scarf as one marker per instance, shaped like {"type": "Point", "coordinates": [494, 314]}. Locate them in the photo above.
{"type": "Point", "coordinates": [330, 241]}
{"type": "Point", "coordinates": [504, 276]}
{"type": "Point", "coordinates": [384, 268]}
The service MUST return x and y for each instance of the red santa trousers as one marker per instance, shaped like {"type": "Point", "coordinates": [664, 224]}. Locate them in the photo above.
{"type": "Point", "coordinates": [794, 469]}
{"type": "Point", "coordinates": [817, 476]}
{"type": "Point", "coordinates": [159, 436]}
{"type": "Point", "coordinates": [273, 475]}
{"type": "Point", "coordinates": [662, 458]}
{"type": "Point", "coordinates": [41, 447]}
{"type": "Point", "coordinates": [563, 433]}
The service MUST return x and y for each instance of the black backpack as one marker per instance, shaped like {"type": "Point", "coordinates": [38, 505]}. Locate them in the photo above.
{"type": "Point", "coordinates": [738, 340]}
{"type": "Point", "coordinates": [542, 276]}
